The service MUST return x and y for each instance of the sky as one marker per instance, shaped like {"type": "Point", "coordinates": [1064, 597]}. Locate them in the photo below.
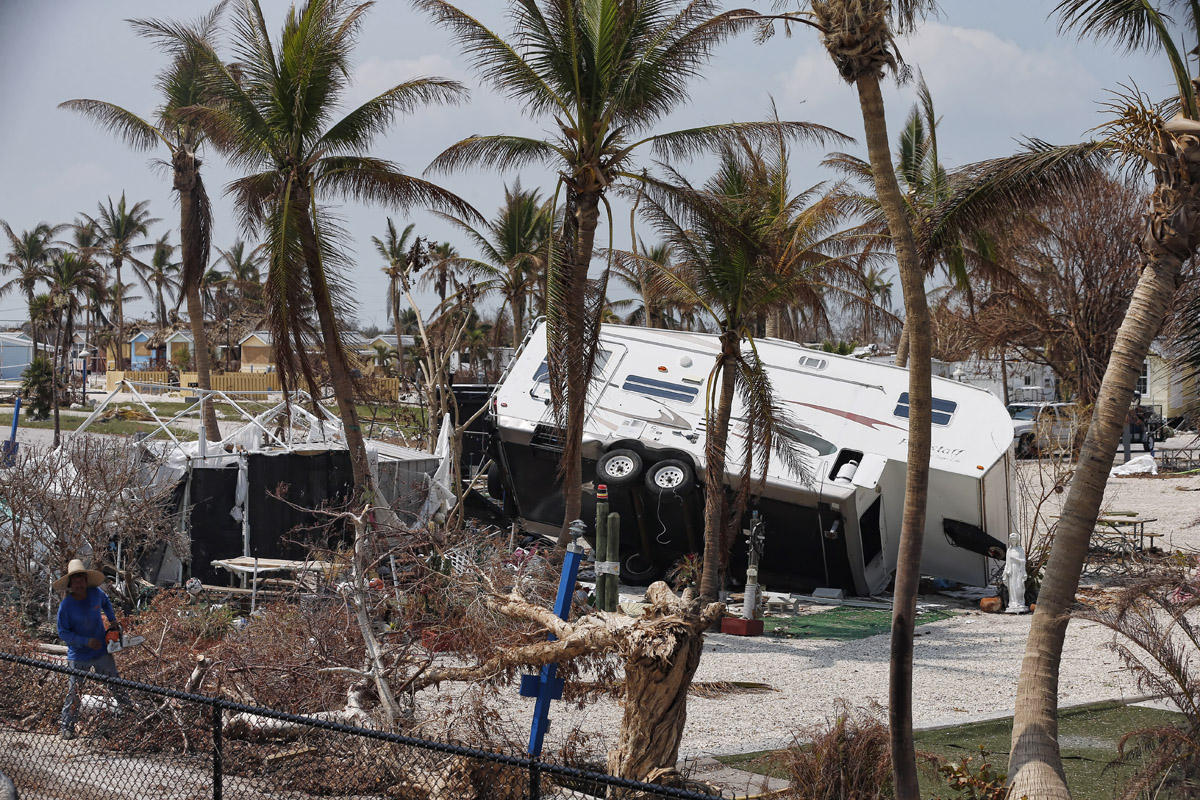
{"type": "Point", "coordinates": [997, 69]}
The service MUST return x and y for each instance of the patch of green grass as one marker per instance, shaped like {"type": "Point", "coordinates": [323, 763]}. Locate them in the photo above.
{"type": "Point", "coordinates": [844, 623]}
{"type": "Point", "coordinates": [1087, 734]}
{"type": "Point", "coordinates": [115, 427]}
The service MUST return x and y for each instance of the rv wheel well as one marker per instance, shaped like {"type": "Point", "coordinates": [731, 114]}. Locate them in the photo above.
{"type": "Point", "coordinates": [628, 444]}
{"type": "Point", "coordinates": [662, 455]}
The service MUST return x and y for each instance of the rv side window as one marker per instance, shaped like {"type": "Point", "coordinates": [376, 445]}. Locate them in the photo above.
{"type": "Point", "coordinates": [660, 389]}
{"type": "Point", "coordinates": [542, 375]}
{"type": "Point", "coordinates": [943, 410]}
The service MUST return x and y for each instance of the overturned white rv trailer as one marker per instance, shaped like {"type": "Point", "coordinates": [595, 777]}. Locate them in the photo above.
{"type": "Point", "coordinates": [838, 527]}
{"type": "Point", "coordinates": [228, 487]}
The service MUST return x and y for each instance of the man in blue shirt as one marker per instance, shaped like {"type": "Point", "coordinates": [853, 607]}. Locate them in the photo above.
{"type": "Point", "coordinates": [81, 626]}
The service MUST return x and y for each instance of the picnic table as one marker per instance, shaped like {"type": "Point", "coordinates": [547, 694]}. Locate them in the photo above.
{"type": "Point", "coordinates": [1124, 533]}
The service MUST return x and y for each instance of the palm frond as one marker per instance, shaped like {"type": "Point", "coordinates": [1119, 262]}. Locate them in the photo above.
{"type": "Point", "coordinates": [359, 128]}
{"type": "Point", "coordinates": [375, 180]}
{"type": "Point", "coordinates": [693, 141]}
{"type": "Point", "coordinates": [500, 152]}
{"type": "Point", "coordinates": [497, 61]}
{"type": "Point", "coordinates": [137, 132]}
{"type": "Point", "coordinates": [982, 193]}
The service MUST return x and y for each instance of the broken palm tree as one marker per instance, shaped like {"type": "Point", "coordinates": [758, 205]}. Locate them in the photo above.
{"type": "Point", "coordinates": [660, 652]}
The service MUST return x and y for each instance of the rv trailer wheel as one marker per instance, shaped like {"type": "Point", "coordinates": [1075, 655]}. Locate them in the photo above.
{"type": "Point", "coordinates": [619, 468]}
{"type": "Point", "coordinates": [638, 570]}
{"type": "Point", "coordinates": [671, 476]}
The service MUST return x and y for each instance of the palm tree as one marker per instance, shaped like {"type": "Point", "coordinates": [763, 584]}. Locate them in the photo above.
{"type": "Point", "coordinates": [637, 271]}
{"type": "Point", "coordinates": [394, 249]}
{"type": "Point", "coordinates": [603, 73]}
{"type": "Point", "coordinates": [443, 260]}
{"type": "Point", "coordinates": [860, 37]}
{"type": "Point", "coordinates": [85, 242]}
{"type": "Point", "coordinates": [714, 235]}
{"type": "Point", "coordinates": [182, 87]}
{"type": "Point", "coordinates": [245, 269]}
{"type": "Point", "coordinates": [118, 228]}
{"type": "Point", "coordinates": [515, 245]}
{"type": "Point", "coordinates": [158, 277]}
{"type": "Point", "coordinates": [28, 254]}
{"type": "Point", "coordinates": [70, 277]}
{"type": "Point", "coordinates": [1138, 135]}
{"type": "Point", "coordinates": [297, 160]}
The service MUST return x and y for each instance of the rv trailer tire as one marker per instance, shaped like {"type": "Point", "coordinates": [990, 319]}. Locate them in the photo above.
{"type": "Point", "coordinates": [670, 476]}
{"type": "Point", "coordinates": [495, 481]}
{"type": "Point", "coordinates": [638, 569]}
{"type": "Point", "coordinates": [619, 467]}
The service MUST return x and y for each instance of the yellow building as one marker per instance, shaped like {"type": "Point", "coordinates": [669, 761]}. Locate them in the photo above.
{"type": "Point", "coordinates": [257, 352]}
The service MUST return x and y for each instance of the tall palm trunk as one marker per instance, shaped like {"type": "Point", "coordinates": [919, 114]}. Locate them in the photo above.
{"type": "Point", "coordinates": [54, 373]}
{"type": "Point", "coordinates": [33, 326]}
{"type": "Point", "coordinates": [335, 354]}
{"type": "Point", "coordinates": [1172, 236]}
{"type": "Point", "coordinates": [902, 346]}
{"type": "Point", "coordinates": [191, 245]}
{"type": "Point", "coordinates": [916, 484]}
{"type": "Point", "coordinates": [774, 323]}
{"type": "Point", "coordinates": [394, 288]}
{"type": "Point", "coordinates": [575, 324]}
{"type": "Point", "coordinates": [715, 446]}
{"type": "Point", "coordinates": [518, 314]}
{"type": "Point", "coordinates": [123, 360]}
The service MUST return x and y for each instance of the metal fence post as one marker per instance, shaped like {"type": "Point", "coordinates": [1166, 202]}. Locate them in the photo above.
{"type": "Point", "coordinates": [535, 781]}
{"type": "Point", "coordinates": [216, 761]}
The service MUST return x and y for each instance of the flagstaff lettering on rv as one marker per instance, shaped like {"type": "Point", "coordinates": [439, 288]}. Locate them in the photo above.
{"type": "Point", "coordinates": [948, 453]}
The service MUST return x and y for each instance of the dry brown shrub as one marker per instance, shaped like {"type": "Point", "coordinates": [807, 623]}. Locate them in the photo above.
{"type": "Point", "coordinates": [845, 757]}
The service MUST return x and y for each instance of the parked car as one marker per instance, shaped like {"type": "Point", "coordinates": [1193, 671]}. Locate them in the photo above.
{"type": "Point", "coordinates": [1044, 427]}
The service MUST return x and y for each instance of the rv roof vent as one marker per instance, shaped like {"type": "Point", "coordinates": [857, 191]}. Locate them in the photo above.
{"type": "Point", "coordinates": [808, 362]}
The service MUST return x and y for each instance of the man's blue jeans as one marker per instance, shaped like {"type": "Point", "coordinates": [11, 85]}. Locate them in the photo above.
{"type": "Point", "coordinates": [104, 665]}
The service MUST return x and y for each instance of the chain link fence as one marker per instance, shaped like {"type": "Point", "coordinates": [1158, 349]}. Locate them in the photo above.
{"type": "Point", "coordinates": [164, 744]}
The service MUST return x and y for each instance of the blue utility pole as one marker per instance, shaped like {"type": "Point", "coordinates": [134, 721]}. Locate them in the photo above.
{"type": "Point", "coordinates": [546, 685]}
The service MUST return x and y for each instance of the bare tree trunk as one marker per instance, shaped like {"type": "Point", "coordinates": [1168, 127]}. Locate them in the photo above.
{"type": "Point", "coordinates": [193, 249]}
{"type": "Point", "coordinates": [335, 354]}
{"type": "Point", "coordinates": [573, 331]}
{"type": "Point", "coordinates": [717, 439]}
{"type": "Point", "coordinates": [1172, 236]}
{"type": "Point", "coordinates": [657, 678]}
{"type": "Point", "coordinates": [916, 485]}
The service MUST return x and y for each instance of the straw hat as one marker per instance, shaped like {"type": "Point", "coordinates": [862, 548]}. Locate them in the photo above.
{"type": "Point", "coordinates": [95, 577]}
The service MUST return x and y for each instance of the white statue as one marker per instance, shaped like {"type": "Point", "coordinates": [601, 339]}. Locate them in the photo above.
{"type": "Point", "coordinates": [1014, 575]}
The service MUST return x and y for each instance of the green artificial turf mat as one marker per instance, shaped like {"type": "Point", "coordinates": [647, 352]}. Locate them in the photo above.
{"type": "Point", "coordinates": [1088, 736]}
{"type": "Point", "coordinates": [844, 623]}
